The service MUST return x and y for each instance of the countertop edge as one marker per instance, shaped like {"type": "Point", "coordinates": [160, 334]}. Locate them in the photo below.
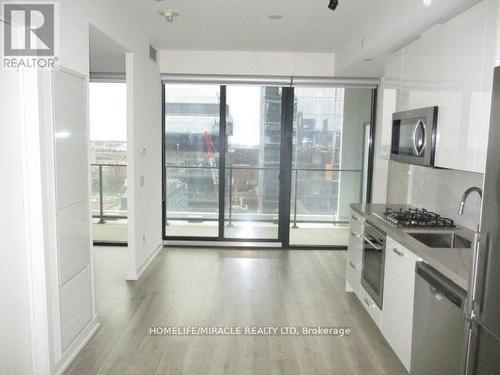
{"type": "Point", "coordinates": [428, 255]}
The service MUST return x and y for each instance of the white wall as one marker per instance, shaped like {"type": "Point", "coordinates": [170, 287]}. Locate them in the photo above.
{"type": "Point", "coordinates": [144, 162]}
{"type": "Point", "coordinates": [144, 117]}
{"type": "Point", "coordinates": [75, 17]}
{"type": "Point", "coordinates": [394, 24]}
{"type": "Point", "coordinates": [247, 63]}
{"type": "Point", "coordinates": [357, 112]}
{"type": "Point", "coordinates": [143, 120]}
{"type": "Point", "coordinates": [15, 322]}
{"type": "Point", "coordinates": [386, 106]}
{"type": "Point", "coordinates": [21, 318]}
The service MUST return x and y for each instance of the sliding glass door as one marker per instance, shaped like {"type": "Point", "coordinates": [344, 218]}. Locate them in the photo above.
{"type": "Point", "coordinates": [252, 162]}
{"type": "Point", "coordinates": [222, 162]}
{"type": "Point", "coordinates": [264, 163]}
{"type": "Point", "coordinates": [192, 157]}
{"type": "Point", "coordinates": [328, 162]}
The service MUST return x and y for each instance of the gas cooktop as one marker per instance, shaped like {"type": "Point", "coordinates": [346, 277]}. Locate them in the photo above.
{"type": "Point", "coordinates": [416, 218]}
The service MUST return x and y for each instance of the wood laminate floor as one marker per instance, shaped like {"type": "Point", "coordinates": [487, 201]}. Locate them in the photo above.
{"type": "Point", "coordinates": [185, 287]}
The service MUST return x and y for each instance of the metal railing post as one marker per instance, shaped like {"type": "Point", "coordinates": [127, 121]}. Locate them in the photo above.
{"type": "Point", "coordinates": [164, 184]}
{"type": "Point", "coordinates": [295, 201]}
{"type": "Point", "coordinates": [101, 201]}
{"type": "Point", "coordinates": [230, 224]}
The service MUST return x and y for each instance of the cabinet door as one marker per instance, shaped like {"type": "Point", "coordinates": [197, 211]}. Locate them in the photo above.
{"type": "Point", "coordinates": [421, 70]}
{"type": "Point", "coordinates": [370, 306]}
{"type": "Point", "coordinates": [354, 253]}
{"type": "Point", "coordinates": [465, 99]}
{"type": "Point", "coordinates": [399, 287]}
{"type": "Point", "coordinates": [354, 263]}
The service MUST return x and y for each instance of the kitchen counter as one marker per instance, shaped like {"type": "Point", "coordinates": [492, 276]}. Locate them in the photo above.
{"type": "Point", "coordinates": [453, 263]}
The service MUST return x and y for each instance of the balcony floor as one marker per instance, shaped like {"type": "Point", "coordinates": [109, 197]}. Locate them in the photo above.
{"type": "Point", "coordinates": [110, 231]}
{"type": "Point", "coordinates": [305, 234]}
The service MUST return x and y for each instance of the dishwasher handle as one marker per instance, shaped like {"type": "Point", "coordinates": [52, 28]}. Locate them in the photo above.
{"type": "Point", "coordinates": [440, 285]}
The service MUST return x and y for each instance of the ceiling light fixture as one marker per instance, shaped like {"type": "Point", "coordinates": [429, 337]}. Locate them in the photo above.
{"type": "Point", "coordinates": [169, 14]}
{"type": "Point", "coordinates": [333, 4]}
{"type": "Point", "coordinates": [427, 3]}
{"type": "Point", "coordinates": [275, 17]}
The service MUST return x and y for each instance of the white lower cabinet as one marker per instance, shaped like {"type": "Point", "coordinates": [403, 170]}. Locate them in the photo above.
{"type": "Point", "coordinates": [399, 289]}
{"type": "Point", "coordinates": [354, 254]}
{"type": "Point", "coordinates": [370, 306]}
{"type": "Point", "coordinates": [355, 264]}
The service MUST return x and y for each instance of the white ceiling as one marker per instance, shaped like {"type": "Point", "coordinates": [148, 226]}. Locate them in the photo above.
{"type": "Point", "coordinates": [106, 55]}
{"type": "Point", "coordinates": [306, 26]}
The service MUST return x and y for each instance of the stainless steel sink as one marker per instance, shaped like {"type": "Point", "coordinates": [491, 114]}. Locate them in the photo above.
{"type": "Point", "coordinates": [442, 239]}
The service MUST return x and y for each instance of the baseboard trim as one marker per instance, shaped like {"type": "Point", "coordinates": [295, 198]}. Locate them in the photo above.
{"type": "Point", "coordinates": [135, 275]}
{"type": "Point", "coordinates": [77, 345]}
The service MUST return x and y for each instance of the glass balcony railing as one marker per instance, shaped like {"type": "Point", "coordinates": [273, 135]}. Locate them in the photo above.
{"type": "Point", "coordinates": [319, 195]}
{"type": "Point", "coordinates": [109, 202]}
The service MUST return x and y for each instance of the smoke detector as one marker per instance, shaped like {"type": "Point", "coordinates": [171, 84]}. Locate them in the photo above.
{"type": "Point", "coordinates": [169, 14]}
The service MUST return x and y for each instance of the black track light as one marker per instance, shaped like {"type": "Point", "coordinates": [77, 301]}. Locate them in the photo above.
{"type": "Point", "coordinates": [333, 4]}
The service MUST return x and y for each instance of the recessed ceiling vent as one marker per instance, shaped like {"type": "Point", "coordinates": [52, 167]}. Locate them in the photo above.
{"type": "Point", "coordinates": [152, 53]}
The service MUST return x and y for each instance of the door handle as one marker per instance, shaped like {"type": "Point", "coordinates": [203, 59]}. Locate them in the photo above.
{"type": "Point", "coordinates": [376, 247]}
{"type": "Point", "coordinates": [481, 275]}
{"type": "Point", "coordinates": [418, 151]}
{"type": "Point", "coordinates": [355, 235]}
{"type": "Point", "coordinates": [435, 293]}
{"type": "Point", "coordinates": [396, 251]}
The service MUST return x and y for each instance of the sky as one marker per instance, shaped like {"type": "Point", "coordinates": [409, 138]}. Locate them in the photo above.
{"type": "Point", "coordinates": [108, 119]}
{"type": "Point", "coordinates": [244, 108]}
{"type": "Point", "coordinates": [108, 111]}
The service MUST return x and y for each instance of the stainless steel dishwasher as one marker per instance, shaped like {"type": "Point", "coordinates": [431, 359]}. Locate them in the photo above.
{"type": "Point", "coordinates": [439, 342]}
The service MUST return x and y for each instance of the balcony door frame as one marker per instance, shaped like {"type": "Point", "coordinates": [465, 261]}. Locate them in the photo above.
{"type": "Point", "coordinates": [286, 149]}
{"type": "Point", "coordinates": [118, 78]}
{"type": "Point", "coordinates": [284, 173]}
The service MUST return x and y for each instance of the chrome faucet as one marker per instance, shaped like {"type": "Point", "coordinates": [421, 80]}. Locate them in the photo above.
{"type": "Point", "coordinates": [465, 195]}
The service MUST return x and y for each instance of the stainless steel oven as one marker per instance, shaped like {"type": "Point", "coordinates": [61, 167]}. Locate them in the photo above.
{"type": "Point", "coordinates": [372, 277]}
{"type": "Point", "coordinates": [414, 136]}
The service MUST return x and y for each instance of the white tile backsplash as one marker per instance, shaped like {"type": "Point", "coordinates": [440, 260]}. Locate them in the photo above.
{"type": "Point", "coordinates": [398, 183]}
{"type": "Point", "coordinates": [438, 190]}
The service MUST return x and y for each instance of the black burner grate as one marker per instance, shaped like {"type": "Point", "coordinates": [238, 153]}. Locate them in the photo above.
{"type": "Point", "coordinates": [417, 218]}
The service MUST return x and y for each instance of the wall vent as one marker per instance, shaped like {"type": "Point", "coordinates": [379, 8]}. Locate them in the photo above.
{"type": "Point", "coordinates": [152, 53]}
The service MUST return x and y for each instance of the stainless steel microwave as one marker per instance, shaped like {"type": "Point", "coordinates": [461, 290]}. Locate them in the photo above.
{"type": "Point", "coordinates": [414, 136]}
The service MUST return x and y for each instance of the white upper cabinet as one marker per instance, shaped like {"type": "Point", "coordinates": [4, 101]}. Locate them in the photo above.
{"type": "Point", "coordinates": [451, 66]}
{"type": "Point", "coordinates": [464, 97]}
{"type": "Point", "coordinates": [422, 61]}
{"type": "Point", "coordinates": [392, 71]}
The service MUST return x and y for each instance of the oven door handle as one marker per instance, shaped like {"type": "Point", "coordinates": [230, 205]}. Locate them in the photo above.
{"type": "Point", "coordinates": [376, 247]}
